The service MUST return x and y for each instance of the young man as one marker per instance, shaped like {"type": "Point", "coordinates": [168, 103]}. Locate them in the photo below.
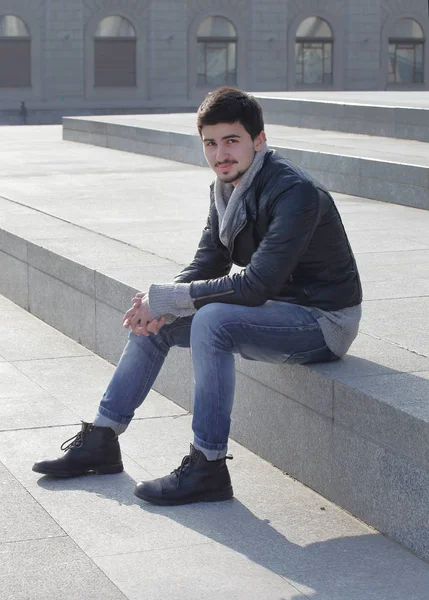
{"type": "Point", "coordinates": [296, 300]}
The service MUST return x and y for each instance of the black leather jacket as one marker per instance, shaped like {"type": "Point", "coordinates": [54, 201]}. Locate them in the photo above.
{"type": "Point", "coordinates": [288, 235]}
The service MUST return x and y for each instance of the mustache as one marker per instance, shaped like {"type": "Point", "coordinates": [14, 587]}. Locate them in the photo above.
{"type": "Point", "coordinates": [226, 162]}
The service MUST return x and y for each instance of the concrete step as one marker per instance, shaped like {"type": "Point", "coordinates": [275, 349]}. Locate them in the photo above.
{"type": "Point", "coordinates": [83, 228]}
{"type": "Point", "coordinates": [276, 539]}
{"type": "Point", "coordinates": [356, 431]}
{"type": "Point", "coordinates": [403, 115]}
{"type": "Point", "coordinates": [384, 169]}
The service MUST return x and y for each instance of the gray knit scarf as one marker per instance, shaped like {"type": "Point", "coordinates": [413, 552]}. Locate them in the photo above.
{"type": "Point", "coordinates": [228, 197]}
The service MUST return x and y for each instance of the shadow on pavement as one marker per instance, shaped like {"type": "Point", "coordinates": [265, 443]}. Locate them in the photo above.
{"type": "Point", "coordinates": [349, 568]}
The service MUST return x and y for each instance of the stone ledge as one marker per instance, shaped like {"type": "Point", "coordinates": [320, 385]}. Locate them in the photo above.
{"type": "Point", "coordinates": [394, 119]}
{"type": "Point", "coordinates": [356, 431]}
{"type": "Point", "coordinates": [396, 182]}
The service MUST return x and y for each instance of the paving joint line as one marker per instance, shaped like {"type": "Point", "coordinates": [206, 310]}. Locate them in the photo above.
{"type": "Point", "coordinates": [60, 425]}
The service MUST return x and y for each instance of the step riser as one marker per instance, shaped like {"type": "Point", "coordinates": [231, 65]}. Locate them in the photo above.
{"type": "Point", "coordinates": [315, 428]}
{"type": "Point", "coordinates": [394, 122]}
{"type": "Point", "coordinates": [389, 182]}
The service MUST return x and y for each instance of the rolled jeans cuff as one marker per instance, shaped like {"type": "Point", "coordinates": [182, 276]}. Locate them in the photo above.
{"type": "Point", "coordinates": [118, 419]}
{"type": "Point", "coordinates": [211, 451]}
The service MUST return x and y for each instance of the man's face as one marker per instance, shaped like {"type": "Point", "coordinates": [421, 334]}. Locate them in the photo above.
{"type": "Point", "coordinates": [229, 149]}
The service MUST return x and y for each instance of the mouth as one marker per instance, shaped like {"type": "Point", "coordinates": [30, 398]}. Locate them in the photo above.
{"type": "Point", "coordinates": [224, 166]}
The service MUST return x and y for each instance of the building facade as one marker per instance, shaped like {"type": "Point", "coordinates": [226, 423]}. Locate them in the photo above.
{"type": "Point", "coordinates": [86, 56]}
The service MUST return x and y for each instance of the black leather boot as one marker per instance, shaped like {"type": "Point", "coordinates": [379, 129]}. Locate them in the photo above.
{"type": "Point", "coordinates": [93, 449]}
{"type": "Point", "coordinates": [196, 480]}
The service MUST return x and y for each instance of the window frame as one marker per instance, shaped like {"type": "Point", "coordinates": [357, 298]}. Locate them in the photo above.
{"type": "Point", "coordinates": [315, 40]}
{"type": "Point", "coordinates": [19, 39]}
{"type": "Point", "coordinates": [388, 40]}
{"type": "Point", "coordinates": [207, 40]}
{"type": "Point", "coordinates": [336, 41]}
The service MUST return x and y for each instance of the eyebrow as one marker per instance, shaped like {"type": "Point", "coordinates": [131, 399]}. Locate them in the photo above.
{"type": "Point", "coordinates": [225, 137]}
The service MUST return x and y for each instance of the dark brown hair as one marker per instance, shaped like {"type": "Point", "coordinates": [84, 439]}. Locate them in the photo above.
{"type": "Point", "coordinates": [228, 105]}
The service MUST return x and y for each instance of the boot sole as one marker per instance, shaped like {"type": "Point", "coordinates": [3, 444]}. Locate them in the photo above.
{"type": "Point", "coordinates": [226, 494]}
{"type": "Point", "coordinates": [101, 470]}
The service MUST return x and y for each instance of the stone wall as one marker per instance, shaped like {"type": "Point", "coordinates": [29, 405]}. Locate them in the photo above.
{"type": "Point", "coordinates": [62, 34]}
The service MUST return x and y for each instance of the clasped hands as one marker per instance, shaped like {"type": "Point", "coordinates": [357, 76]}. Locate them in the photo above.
{"type": "Point", "coordinates": [139, 318]}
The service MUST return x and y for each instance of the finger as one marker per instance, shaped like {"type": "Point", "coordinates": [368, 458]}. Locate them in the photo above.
{"type": "Point", "coordinates": [128, 315]}
{"type": "Point", "coordinates": [138, 297]}
{"type": "Point", "coordinates": [135, 319]}
{"type": "Point", "coordinates": [152, 327]}
{"type": "Point", "coordinates": [139, 329]}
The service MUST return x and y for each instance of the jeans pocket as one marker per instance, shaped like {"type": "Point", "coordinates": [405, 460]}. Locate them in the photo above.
{"type": "Point", "coordinates": [323, 354]}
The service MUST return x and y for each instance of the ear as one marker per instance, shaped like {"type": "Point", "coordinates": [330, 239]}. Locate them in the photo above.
{"type": "Point", "coordinates": [259, 141]}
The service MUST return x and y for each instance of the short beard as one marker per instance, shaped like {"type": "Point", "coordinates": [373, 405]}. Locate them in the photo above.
{"type": "Point", "coordinates": [231, 179]}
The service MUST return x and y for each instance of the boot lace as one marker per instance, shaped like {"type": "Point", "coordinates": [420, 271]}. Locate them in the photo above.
{"type": "Point", "coordinates": [184, 466]}
{"type": "Point", "coordinates": [75, 442]}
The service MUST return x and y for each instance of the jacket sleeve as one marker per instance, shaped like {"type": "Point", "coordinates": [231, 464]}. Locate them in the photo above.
{"type": "Point", "coordinates": [211, 259]}
{"type": "Point", "coordinates": [294, 217]}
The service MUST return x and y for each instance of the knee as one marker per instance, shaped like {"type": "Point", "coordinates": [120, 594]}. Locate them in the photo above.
{"type": "Point", "coordinates": [208, 319]}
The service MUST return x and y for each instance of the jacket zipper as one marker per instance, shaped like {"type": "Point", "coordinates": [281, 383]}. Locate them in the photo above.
{"type": "Point", "coordinates": [237, 231]}
{"type": "Point", "coordinates": [213, 295]}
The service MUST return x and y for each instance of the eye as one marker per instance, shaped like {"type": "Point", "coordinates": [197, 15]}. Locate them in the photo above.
{"type": "Point", "coordinates": [232, 141]}
{"type": "Point", "coordinates": [210, 144]}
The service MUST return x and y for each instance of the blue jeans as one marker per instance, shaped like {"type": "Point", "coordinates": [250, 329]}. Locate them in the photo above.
{"type": "Point", "coordinates": [276, 332]}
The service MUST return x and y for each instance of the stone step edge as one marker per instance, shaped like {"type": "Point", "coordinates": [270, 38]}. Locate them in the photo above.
{"type": "Point", "coordinates": [28, 253]}
{"type": "Point", "coordinates": [400, 122]}
{"type": "Point", "coordinates": [397, 183]}
{"type": "Point", "coordinates": [124, 131]}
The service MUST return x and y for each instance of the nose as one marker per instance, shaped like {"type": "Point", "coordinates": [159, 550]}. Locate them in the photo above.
{"type": "Point", "coordinates": [222, 154]}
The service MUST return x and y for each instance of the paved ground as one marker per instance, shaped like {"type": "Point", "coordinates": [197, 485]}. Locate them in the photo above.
{"type": "Point", "coordinates": [91, 538]}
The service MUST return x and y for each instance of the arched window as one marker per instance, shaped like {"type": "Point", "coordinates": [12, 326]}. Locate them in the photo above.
{"type": "Point", "coordinates": [313, 52]}
{"type": "Point", "coordinates": [217, 52]}
{"type": "Point", "coordinates": [406, 51]}
{"type": "Point", "coordinates": [115, 53]}
{"type": "Point", "coordinates": [15, 53]}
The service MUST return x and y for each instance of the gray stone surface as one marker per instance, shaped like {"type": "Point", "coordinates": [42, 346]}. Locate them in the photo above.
{"type": "Point", "coordinates": [14, 384]}
{"type": "Point", "coordinates": [245, 580]}
{"type": "Point", "coordinates": [24, 338]}
{"type": "Point", "coordinates": [30, 410]}
{"type": "Point", "coordinates": [391, 488]}
{"type": "Point", "coordinates": [13, 245]}
{"type": "Point", "coordinates": [401, 115]}
{"type": "Point", "coordinates": [79, 383]}
{"type": "Point", "coordinates": [58, 267]}
{"type": "Point", "coordinates": [295, 381]}
{"type": "Point", "coordinates": [53, 567]}
{"type": "Point", "coordinates": [22, 517]}
{"type": "Point", "coordinates": [400, 321]}
{"type": "Point", "coordinates": [374, 167]}
{"type": "Point", "coordinates": [14, 279]}
{"type": "Point", "coordinates": [110, 335]}
{"type": "Point", "coordinates": [90, 537]}
{"type": "Point", "coordinates": [176, 377]}
{"type": "Point", "coordinates": [63, 307]}
{"type": "Point", "coordinates": [134, 220]}
{"type": "Point", "coordinates": [287, 434]}
{"type": "Point", "coordinates": [391, 410]}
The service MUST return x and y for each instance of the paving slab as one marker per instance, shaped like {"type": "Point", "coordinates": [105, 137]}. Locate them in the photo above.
{"type": "Point", "coordinates": [24, 338]}
{"type": "Point", "coordinates": [52, 568]}
{"type": "Point", "coordinates": [90, 537]}
{"type": "Point", "coordinates": [22, 517]}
